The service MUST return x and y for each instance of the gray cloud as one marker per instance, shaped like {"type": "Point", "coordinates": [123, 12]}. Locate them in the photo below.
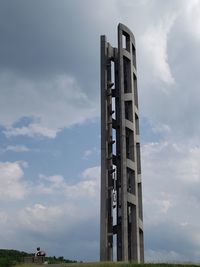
{"type": "Point", "coordinates": [41, 42]}
{"type": "Point", "coordinates": [41, 38]}
{"type": "Point", "coordinates": [171, 242]}
{"type": "Point", "coordinates": [171, 175]}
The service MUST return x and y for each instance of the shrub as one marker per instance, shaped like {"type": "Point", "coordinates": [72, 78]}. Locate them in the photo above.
{"type": "Point", "coordinates": [4, 262]}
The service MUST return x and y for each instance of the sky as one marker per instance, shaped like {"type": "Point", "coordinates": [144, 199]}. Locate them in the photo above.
{"type": "Point", "coordinates": [50, 123]}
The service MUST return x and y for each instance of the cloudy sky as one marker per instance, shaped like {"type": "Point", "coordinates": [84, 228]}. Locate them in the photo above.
{"type": "Point", "coordinates": [50, 123]}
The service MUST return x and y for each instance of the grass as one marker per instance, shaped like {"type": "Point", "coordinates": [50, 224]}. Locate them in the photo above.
{"type": "Point", "coordinates": [112, 265]}
{"type": "Point", "coordinates": [30, 265]}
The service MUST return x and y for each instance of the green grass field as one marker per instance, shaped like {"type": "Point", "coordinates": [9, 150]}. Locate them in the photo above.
{"type": "Point", "coordinates": [110, 265]}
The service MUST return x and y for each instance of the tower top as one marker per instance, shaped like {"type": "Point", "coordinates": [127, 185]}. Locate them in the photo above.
{"type": "Point", "coordinates": [125, 29]}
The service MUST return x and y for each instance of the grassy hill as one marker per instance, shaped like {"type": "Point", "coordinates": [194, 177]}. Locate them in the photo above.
{"type": "Point", "coordinates": [11, 257]}
{"type": "Point", "coordinates": [114, 265]}
{"type": "Point", "coordinates": [8, 257]}
{"type": "Point", "coordinates": [14, 258]}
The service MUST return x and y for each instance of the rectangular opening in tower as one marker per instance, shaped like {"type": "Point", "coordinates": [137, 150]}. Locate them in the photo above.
{"type": "Point", "coordinates": [140, 200]}
{"type": "Point", "coordinates": [129, 110]}
{"type": "Point", "coordinates": [127, 75]}
{"type": "Point", "coordinates": [130, 144]}
{"type": "Point", "coordinates": [132, 232]}
{"type": "Point", "coordinates": [130, 181]}
{"type": "Point", "coordinates": [112, 71]}
{"type": "Point", "coordinates": [114, 141]}
{"type": "Point", "coordinates": [114, 247]}
{"type": "Point", "coordinates": [138, 158]}
{"type": "Point", "coordinates": [113, 111]}
{"type": "Point", "coordinates": [134, 56]}
{"type": "Point", "coordinates": [135, 89]}
{"type": "Point", "coordinates": [141, 238]}
{"type": "Point", "coordinates": [129, 214]}
{"type": "Point", "coordinates": [126, 41]}
{"type": "Point", "coordinates": [137, 131]}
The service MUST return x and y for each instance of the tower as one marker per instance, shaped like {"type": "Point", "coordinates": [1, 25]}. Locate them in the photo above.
{"type": "Point", "coordinates": [121, 187]}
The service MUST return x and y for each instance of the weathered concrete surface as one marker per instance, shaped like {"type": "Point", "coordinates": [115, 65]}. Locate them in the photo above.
{"type": "Point", "coordinates": [121, 187]}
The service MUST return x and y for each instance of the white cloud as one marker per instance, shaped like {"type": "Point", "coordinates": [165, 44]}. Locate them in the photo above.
{"type": "Point", "coordinates": [165, 205]}
{"type": "Point", "coordinates": [55, 180]}
{"type": "Point", "coordinates": [87, 188]}
{"type": "Point", "coordinates": [51, 104]}
{"type": "Point", "coordinates": [190, 166]}
{"type": "Point", "coordinates": [169, 162]}
{"type": "Point", "coordinates": [79, 206]}
{"type": "Point", "coordinates": [172, 105]}
{"type": "Point", "coordinates": [161, 128]}
{"type": "Point", "coordinates": [92, 173]}
{"type": "Point", "coordinates": [31, 130]}
{"type": "Point", "coordinates": [192, 17]}
{"type": "Point", "coordinates": [171, 179]}
{"type": "Point", "coordinates": [41, 218]}
{"type": "Point", "coordinates": [163, 256]}
{"type": "Point", "coordinates": [17, 148]}
{"type": "Point", "coordinates": [58, 219]}
{"type": "Point", "coordinates": [154, 48]}
{"type": "Point", "coordinates": [12, 184]}
{"type": "Point", "coordinates": [3, 217]}
{"type": "Point", "coordinates": [51, 184]}
{"type": "Point", "coordinates": [87, 154]}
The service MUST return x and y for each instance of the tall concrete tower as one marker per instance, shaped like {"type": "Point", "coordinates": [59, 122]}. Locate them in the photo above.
{"type": "Point", "coordinates": [121, 188]}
